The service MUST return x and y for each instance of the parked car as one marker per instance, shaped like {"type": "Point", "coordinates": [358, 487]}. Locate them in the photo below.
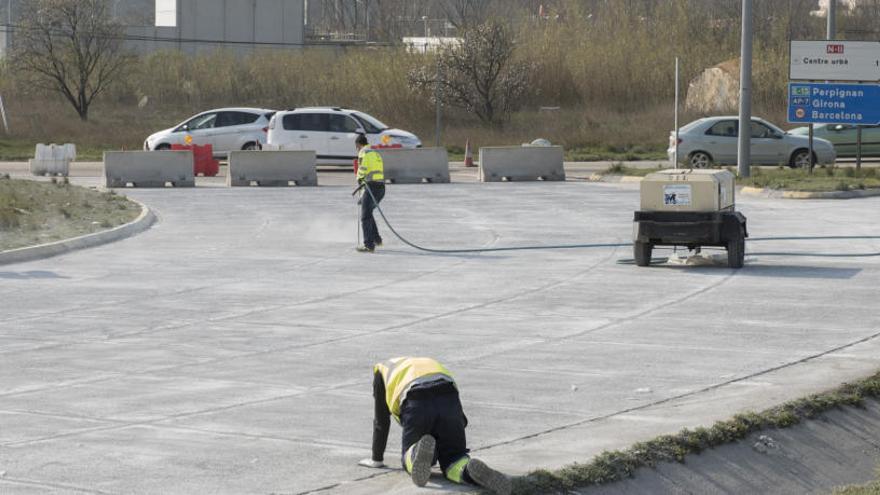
{"type": "Point", "coordinates": [843, 137]}
{"type": "Point", "coordinates": [331, 131]}
{"type": "Point", "coordinates": [226, 129]}
{"type": "Point", "coordinates": [714, 140]}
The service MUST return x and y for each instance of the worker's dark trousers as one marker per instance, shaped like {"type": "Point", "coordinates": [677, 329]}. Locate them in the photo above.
{"type": "Point", "coordinates": [435, 411]}
{"type": "Point", "coordinates": [368, 223]}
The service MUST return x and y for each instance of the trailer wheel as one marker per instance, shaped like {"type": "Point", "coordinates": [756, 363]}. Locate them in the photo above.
{"type": "Point", "coordinates": [736, 250]}
{"type": "Point", "coordinates": [642, 253]}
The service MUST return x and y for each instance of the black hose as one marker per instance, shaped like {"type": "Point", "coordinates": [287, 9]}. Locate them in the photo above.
{"type": "Point", "coordinates": [615, 245]}
{"type": "Point", "coordinates": [486, 250]}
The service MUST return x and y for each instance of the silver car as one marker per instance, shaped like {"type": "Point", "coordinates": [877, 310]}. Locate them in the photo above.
{"type": "Point", "coordinates": [226, 129]}
{"type": "Point", "coordinates": [714, 140]}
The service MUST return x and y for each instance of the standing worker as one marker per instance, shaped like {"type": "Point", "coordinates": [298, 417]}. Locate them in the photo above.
{"type": "Point", "coordinates": [422, 396]}
{"type": "Point", "coordinates": [371, 176]}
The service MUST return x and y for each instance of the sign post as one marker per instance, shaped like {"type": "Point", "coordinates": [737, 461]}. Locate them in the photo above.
{"type": "Point", "coordinates": [858, 147]}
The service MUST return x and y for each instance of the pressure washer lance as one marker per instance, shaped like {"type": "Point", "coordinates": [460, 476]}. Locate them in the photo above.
{"type": "Point", "coordinates": [357, 222]}
{"type": "Point", "coordinates": [628, 244]}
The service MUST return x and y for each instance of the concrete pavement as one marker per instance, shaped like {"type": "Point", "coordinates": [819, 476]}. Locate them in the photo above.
{"type": "Point", "coordinates": [228, 349]}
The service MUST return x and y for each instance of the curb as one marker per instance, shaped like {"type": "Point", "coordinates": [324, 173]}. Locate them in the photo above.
{"type": "Point", "coordinates": [775, 193]}
{"type": "Point", "coordinates": [30, 253]}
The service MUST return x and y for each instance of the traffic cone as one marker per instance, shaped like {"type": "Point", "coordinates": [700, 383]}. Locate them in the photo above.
{"type": "Point", "coordinates": [468, 156]}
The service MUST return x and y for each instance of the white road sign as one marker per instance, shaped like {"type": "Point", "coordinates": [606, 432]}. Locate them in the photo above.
{"type": "Point", "coordinates": [835, 60]}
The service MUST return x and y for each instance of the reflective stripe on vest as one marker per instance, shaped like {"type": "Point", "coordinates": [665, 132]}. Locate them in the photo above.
{"type": "Point", "coordinates": [370, 165]}
{"type": "Point", "coordinates": [401, 374]}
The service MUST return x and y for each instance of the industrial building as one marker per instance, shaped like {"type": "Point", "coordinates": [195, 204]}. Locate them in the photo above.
{"type": "Point", "coordinates": [194, 26]}
{"type": "Point", "coordinates": [240, 25]}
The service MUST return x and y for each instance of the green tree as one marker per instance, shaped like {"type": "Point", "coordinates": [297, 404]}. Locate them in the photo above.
{"type": "Point", "coordinates": [73, 47]}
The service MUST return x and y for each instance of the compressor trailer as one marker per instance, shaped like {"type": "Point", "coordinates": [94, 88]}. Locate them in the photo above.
{"type": "Point", "coordinates": [691, 208]}
{"type": "Point", "coordinates": [725, 229]}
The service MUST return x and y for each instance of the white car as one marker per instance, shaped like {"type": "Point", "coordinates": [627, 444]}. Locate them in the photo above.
{"type": "Point", "coordinates": [226, 129]}
{"type": "Point", "coordinates": [714, 140]}
{"type": "Point", "coordinates": [331, 132]}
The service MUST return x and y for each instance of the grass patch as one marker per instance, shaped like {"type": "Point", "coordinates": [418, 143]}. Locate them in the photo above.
{"type": "Point", "coordinates": [621, 169]}
{"type": "Point", "coordinates": [622, 153]}
{"type": "Point", "coordinates": [620, 464]}
{"type": "Point", "coordinates": [822, 179]}
{"type": "Point", "coordinates": [872, 488]}
{"type": "Point", "coordinates": [22, 149]}
{"type": "Point", "coordinates": [34, 212]}
{"type": "Point", "coordinates": [589, 154]}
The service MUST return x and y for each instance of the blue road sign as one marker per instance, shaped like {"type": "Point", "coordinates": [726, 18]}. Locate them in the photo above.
{"type": "Point", "coordinates": [822, 103]}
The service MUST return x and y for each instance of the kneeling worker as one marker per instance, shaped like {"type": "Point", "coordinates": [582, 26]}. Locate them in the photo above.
{"type": "Point", "coordinates": [422, 396]}
{"type": "Point", "coordinates": [370, 175]}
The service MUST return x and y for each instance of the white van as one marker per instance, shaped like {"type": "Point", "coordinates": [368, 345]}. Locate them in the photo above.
{"type": "Point", "coordinates": [331, 132]}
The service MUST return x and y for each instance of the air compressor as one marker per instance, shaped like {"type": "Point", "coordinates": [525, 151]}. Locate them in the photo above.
{"type": "Point", "coordinates": [690, 208]}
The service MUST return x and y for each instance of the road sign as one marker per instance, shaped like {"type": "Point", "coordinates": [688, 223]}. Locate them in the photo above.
{"type": "Point", "coordinates": [819, 103]}
{"type": "Point", "coordinates": [835, 61]}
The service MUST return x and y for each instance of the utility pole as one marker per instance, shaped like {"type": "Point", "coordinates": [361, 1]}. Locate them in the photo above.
{"type": "Point", "coordinates": [439, 109]}
{"type": "Point", "coordinates": [744, 155]}
{"type": "Point", "coordinates": [425, 18]}
{"type": "Point", "coordinates": [832, 19]}
{"type": "Point", "coordinates": [830, 33]}
{"type": "Point", "coordinates": [675, 154]}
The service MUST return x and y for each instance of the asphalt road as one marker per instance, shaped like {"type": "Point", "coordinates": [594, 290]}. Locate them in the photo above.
{"type": "Point", "coordinates": [229, 348]}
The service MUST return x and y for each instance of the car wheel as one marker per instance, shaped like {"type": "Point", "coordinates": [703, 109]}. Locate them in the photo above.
{"type": "Point", "coordinates": [801, 159]}
{"type": "Point", "coordinates": [251, 147]}
{"type": "Point", "coordinates": [700, 159]}
{"type": "Point", "coordinates": [162, 147]}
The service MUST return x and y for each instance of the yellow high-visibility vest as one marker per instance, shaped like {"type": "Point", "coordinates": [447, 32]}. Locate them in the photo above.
{"type": "Point", "coordinates": [370, 165]}
{"type": "Point", "coordinates": [401, 374]}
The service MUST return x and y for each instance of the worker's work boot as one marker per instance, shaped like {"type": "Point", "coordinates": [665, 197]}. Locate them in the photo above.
{"type": "Point", "coordinates": [379, 242]}
{"type": "Point", "coordinates": [419, 458]}
{"type": "Point", "coordinates": [365, 249]}
{"type": "Point", "coordinates": [488, 478]}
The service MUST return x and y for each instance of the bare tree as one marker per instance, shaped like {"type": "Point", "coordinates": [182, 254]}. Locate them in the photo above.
{"type": "Point", "coordinates": [479, 74]}
{"type": "Point", "coordinates": [466, 13]}
{"type": "Point", "coordinates": [73, 47]}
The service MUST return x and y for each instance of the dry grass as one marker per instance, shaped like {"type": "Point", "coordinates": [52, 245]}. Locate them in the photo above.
{"type": "Point", "coordinates": [34, 212]}
{"type": "Point", "coordinates": [871, 488]}
{"type": "Point", "coordinates": [611, 466]}
{"type": "Point", "coordinates": [615, 91]}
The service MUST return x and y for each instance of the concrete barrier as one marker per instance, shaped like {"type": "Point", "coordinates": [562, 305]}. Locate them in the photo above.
{"type": "Point", "coordinates": [149, 168]}
{"type": "Point", "coordinates": [52, 159]}
{"type": "Point", "coordinates": [521, 163]}
{"type": "Point", "coordinates": [272, 168]}
{"type": "Point", "coordinates": [415, 165]}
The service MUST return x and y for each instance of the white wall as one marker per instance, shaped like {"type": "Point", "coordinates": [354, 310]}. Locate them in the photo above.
{"type": "Point", "coordinates": [166, 13]}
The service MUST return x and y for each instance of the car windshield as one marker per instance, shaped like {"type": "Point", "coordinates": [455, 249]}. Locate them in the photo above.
{"type": "Point", "coordinates": [371, 124]}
